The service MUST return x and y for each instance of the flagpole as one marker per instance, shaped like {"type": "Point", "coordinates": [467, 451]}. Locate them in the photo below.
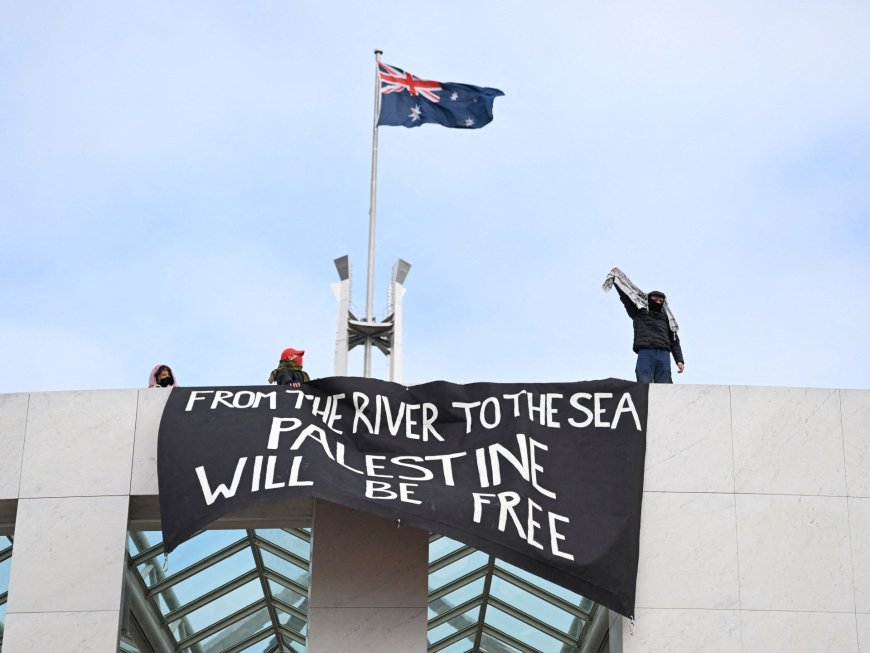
{"type": "Point", "coordinates": [367, 359]}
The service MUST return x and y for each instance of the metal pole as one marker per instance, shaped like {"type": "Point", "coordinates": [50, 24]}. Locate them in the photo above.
{"type": "Point", "coordinates": [370, 284]}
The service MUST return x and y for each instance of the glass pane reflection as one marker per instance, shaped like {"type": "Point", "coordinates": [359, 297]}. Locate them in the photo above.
{"type": "Point", "coordinates": [456, 569]}
{"type": "Point", "coordinates": [490, 644]}
{"type": "Point", "coordinates": [201, 546]}
{"type": "Point", "coordinates": [225, 605]}
{"type": "Point", "coordinates": [214, 576]}
{"type": "Point", "coordinates": [523, 632]}
{"type": "Point", "coordinates": [288, 541]}
{"type": "Point", "coordinates": [236, 633]}
{"type": "Point", "coordinates": [557, 590]}
{"type": "Point", "coordinates": [457, 597]}
{"type": "Point", "coordinates": [462, 646]}
{"type": "Point", "coordinates": [291, 621]}
{"type": "Point", "coordinates": [283, 567]}
{"type": "Point", "coordinates": [530, 604]}
{"type": "Point", "coordinates": [5, 566]}
{"type": "Point", "coordinates": [441, 547]}
{"type": "Point", "coordinates": [453, 626]}
{"type": "Point", "coordinates": [288, 596]}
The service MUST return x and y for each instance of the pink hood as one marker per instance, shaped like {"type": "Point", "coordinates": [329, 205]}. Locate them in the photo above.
{"type": "Point", "coordinates": [152, 379]}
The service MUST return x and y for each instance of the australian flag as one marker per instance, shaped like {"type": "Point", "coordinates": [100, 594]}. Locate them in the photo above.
{"type": "Point", "coordinates": [410, 101]}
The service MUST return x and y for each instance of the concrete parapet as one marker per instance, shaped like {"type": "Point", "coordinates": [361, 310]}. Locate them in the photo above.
{"type": "Point", "coordinates": [755, 532]}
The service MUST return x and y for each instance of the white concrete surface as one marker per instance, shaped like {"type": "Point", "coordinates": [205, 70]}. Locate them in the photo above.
{"type": "Point", "coordinates": [683, 631]}
{"type": "Point", "coordinates": [689, 550]}
{"type": "Point", "coordinates": [859, 522]}
{"type": "Point", "coordinates": [68, 555]}
{"type": "Point", "coordinates": [13, 418]}
{"type": "Point", "coordinates": [148, 411]}
{"type": "Point", "coordinates": [787, 632]}
{"type": "Point", "coordinates": [787, 441]}
{"type": "Point", "coordinates": [79, 444]}
{"type": "Point", "coordinates": [692, 451]}
{"type": "Point", "coordinates": [62, 632]}
{"type": "Point", "coordinates": [800, 544]}
{"type": "Point", "coordinates": [856, 437]}
{"type": "Point", "coordinates": [794, 553]}
{"type": "Point", "coordinates": [863, 633]}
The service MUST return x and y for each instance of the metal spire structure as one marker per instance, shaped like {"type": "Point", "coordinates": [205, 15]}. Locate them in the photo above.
{"type": "Point", "coordinates": [352, 331]}
{"type": "Point", "coordinates": [386, 335]}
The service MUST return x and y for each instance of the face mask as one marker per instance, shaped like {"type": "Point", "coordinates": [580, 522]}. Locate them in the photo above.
{"type": "Point", "coordinates": [655, 307]}
{"type": "Point", "coordinates": [165, 382]}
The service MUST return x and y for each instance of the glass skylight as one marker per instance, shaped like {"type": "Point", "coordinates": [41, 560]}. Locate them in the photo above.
{"type": "Point", "coordinates": [5, 565]}
{"type": "Point", "coordinates": [246, 591]}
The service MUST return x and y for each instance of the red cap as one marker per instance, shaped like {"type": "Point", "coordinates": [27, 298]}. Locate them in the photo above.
{"type": "Point", "coordinates": [287, 353]}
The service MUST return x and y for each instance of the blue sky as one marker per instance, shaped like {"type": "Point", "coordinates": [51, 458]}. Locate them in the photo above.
{"type": "Point", "coordinates": [177, 178]}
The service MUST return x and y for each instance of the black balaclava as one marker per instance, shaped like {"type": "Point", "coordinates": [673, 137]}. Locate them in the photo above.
{"type": "Point", "coordinates": [655, 307]}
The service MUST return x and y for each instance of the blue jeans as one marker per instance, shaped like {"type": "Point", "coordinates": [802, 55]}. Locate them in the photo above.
{"type": "Point", "coordinates": [653, 366]}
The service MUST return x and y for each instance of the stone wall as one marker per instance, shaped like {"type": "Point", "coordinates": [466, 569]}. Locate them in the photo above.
{"type": "Point", "coordinates": [755, 534]}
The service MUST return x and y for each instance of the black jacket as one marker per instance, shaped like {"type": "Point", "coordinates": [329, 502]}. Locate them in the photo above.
{"type": "Point", "coordinates": [651, 329]}
{"type": "Point", "coordinates": [287, 376]}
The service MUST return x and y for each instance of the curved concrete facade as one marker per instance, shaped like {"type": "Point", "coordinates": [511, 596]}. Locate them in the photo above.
{"type": "Point", "coordinates": [755, 534]}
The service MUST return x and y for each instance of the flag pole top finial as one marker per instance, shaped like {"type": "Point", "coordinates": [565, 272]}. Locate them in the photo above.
{"type": "Point", "coordinates": [378, 51]}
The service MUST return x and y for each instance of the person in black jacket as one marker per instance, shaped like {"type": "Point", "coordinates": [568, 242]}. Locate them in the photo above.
{"type": "Point", "coordinates": [654, 340]}
{"type": "Point", "coordinates": [289, 370]}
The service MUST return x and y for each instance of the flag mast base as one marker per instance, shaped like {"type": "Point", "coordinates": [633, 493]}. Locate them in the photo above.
{"type": "Point", "coordinates": [385, 336]}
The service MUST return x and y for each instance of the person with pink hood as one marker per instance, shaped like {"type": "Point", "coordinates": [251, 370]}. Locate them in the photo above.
{"type": "Point", "coordinates": [161, 377]}
{"type": "Point", "coordinates": [289, 370]}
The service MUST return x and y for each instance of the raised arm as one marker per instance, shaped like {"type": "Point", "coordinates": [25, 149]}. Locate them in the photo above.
{"type": "Point", "coordinates": [630, 308]}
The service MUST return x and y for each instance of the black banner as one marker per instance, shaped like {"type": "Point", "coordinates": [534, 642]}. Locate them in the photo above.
{"type": "Point", "coordinates": [546, 476]}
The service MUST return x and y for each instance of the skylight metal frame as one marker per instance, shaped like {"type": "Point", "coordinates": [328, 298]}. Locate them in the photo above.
{"type": "Point", "coordinates": [482, 635]}
{"type": "Point", "coordinates": [488, 571]}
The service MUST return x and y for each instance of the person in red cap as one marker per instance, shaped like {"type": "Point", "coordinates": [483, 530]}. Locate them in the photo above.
{"type": "Point", "coordinates": [289, 370]}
